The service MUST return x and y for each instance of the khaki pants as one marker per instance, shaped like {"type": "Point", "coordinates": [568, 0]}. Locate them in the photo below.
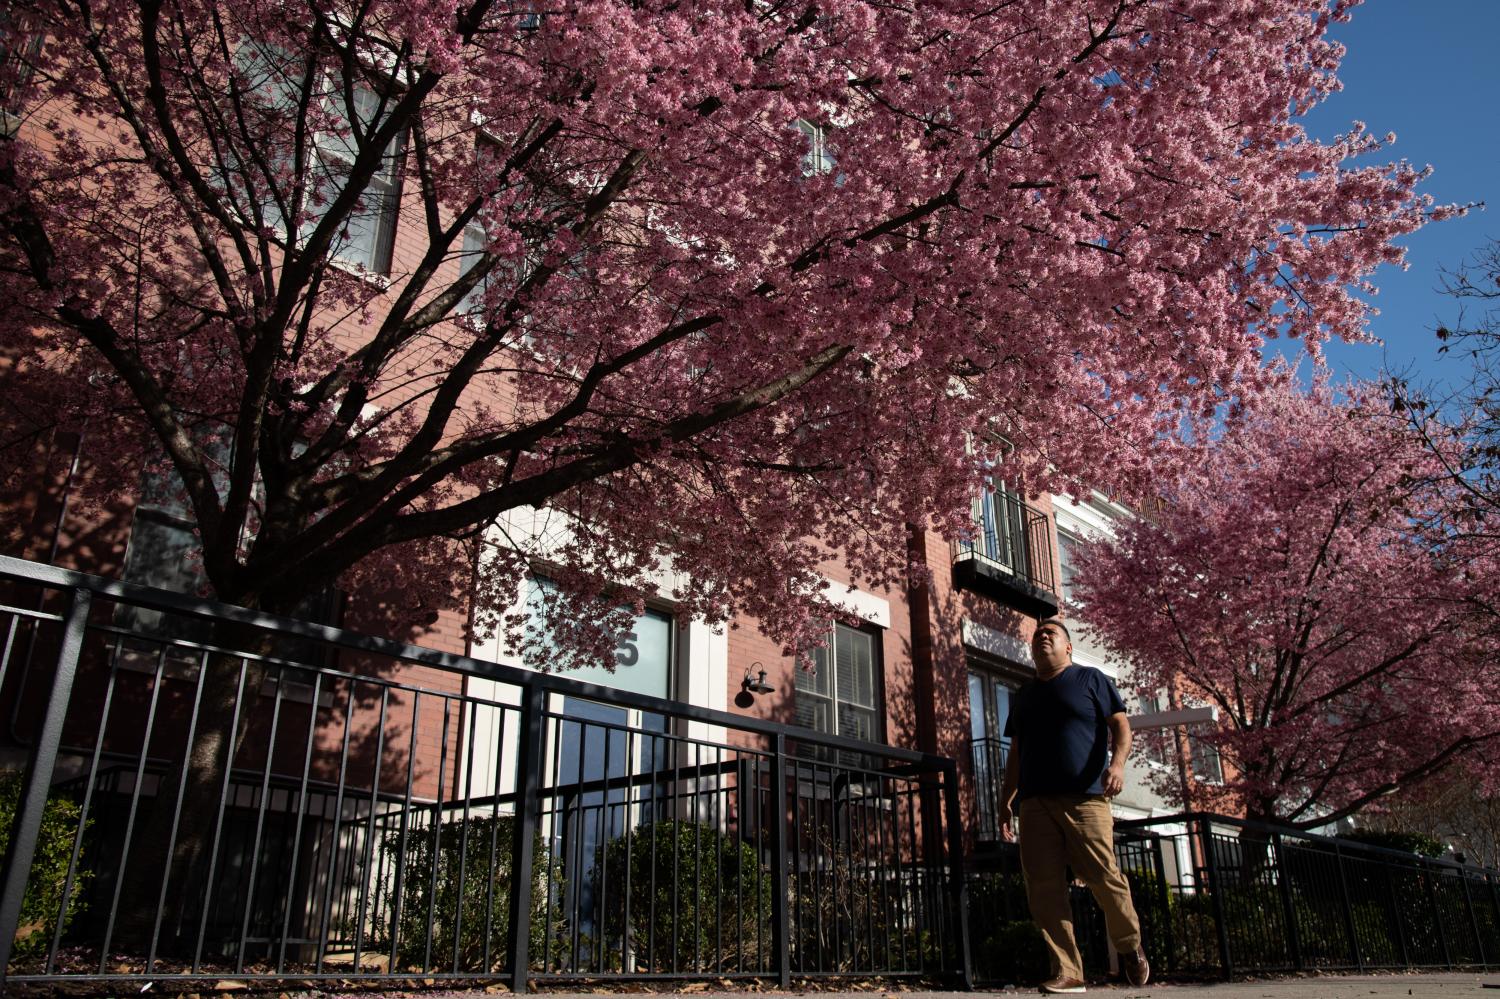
{"type": "Point", "coordinates": [1059, 830]}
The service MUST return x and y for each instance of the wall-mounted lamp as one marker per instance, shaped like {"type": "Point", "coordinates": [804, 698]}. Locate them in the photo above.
{"type": "Point", "coordinates": [757, 684]}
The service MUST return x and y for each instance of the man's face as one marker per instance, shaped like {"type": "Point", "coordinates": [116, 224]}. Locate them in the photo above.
{"type": "Point", "coordinates": [1050, 648]}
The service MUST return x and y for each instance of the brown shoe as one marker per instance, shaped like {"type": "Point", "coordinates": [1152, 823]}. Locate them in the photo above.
{"type": "Point", "coordinates": [1063, 985]}
{"type": "Point", "coordinates": [1136, 968]}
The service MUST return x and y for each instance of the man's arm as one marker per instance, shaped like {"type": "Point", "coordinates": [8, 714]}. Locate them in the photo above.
{"type": "Point", "coordinates": [1119, 739]}
{"type": "Point", "coordinates": [1008, 788]}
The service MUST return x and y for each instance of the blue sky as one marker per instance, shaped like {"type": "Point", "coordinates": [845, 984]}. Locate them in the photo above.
{"type": "Point", "coordinates": [1424, 69]}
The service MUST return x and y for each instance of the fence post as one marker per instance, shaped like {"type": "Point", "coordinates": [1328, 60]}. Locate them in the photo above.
{"type": "Point", "coordinates": [780, 945]}
{"type": "Point", "coordinates": [529, 762]}
{"type": "Point", "coordinates": [37, 781]}
{"type": "Point", "coordinates": [1164, 892]}
{"type": "Point", "coordinates": [1437, 917]}
{"type": "Point", "coordinates": [1390, 886]}
{"type": "Point", "coordinates": [1473, 919]}
{"type": "Point", "coordinates": [958, 886]}
{"type": "Point", "coordinates": [1359, 959]}
{"type": "Point", "coordinates": [1489, 879]}
{"type": "Point", "coordinates": [1288, 906]}
{"type": "Point", "coordinates": [1216, 894]}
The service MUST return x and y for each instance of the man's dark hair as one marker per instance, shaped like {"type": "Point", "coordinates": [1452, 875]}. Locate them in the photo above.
{"type": "Point", "coordinates": [1059, 622]}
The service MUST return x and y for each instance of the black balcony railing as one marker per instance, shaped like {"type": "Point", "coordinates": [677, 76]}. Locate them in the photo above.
{"type": "Point", "coordinates": [987, 757]}
{"type": "Point", "coordinates": [1010, 557]}
{"type": "Point", "coordinates": [196, 810]}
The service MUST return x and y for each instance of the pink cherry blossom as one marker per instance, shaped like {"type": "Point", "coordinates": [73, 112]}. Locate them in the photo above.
{"type": "Point", "coordinates": [1070, 225]}
{"type": "Point", "coordinates": [1291, 576]}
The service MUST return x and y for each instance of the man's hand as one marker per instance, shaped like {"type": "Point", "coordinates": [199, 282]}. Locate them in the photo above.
{"type": "Point", "coordinates": [1114, 779]}
{"type": "Point", "coordinates": [1007, 833]}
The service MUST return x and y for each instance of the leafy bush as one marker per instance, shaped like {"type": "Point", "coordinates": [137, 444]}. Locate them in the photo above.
{"type": "Point", "coordinates": [688, 884]}
{"type": "Point", "coordinates": [461, 917]}
{"type": "Point", "coordinates": [1149, 894]}
{"type": "Point", "coordinates": [1014, 954]}
{"type": "Point", "coordinates": [49, 868]}
{"type": "Point", "coordinates": [1410, 842]}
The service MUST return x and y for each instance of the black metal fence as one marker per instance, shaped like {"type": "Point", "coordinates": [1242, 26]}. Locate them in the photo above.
{"type": "Point", "coordinates": [1240, 896]}
{"type": "Point", "coordinates": [227, 794]}
{"type": "Point", "coordinates": [1219, 897]}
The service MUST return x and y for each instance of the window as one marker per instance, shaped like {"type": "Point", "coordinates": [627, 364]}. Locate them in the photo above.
{"type": "Point", "coordinates": [1067, 555]}
{"type": "Point", "coordinates": [273, 76]}
{"type": "Point", "coordinates": [164, 552]}
{"type": "Point", "coordinates": [817, 160]}
{"type": "Point", "coordinates": [1205, 760]}
{"type": "Point", "coordinates": [19, 49]}
{"type": "Point", "coordinates": [474, 244]}
{"type": "Point", "coordinates": [840, 695]}
{"type": "Point", "coordinates": [643, 652]}
{"type": "Point", "coordinates": [1157, 745]}
{"type": "Point", "coordinates": [370, 232]}
{"type": "Point", "coordinates": [989, 706]}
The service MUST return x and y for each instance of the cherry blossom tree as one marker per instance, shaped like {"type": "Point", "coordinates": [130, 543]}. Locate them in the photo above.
{"type": "Point", "coordinates": [708, 280]}
{"type": "Point", "coordinates": [1298, 578]}
{"type": "Point", "coordinates": [732, 285]}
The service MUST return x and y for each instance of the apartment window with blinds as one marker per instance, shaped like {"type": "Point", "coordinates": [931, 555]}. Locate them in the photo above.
{"type": "Point", "coordinates": [840, 695]}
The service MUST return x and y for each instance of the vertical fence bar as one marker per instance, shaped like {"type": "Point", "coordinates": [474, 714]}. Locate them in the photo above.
{"type": "Point", "coordinates": [1216, 894]}
{"type": "Point", "coordinates": [1437, 915]}
{"type": "Point", "coordinates": [958, 879]}
{"type": "Point", "coordinates": [1489, 880]}
{"type": "Point", "coordinates": [1288, 907]}
{"type": "Point", "coordinates": [1164, 892]}
{"type": "Point", "coordinates": [37, 781]}
{"type": "Point", "coordinates": [529, 762]}
{"type": "Point", "coordinates": [1359, 958]}
{"type": "Point", "coordinates": [1473, 919]}
{"type": "Point", "coordinates": [1390, 886]}
{"type": "Point", "coordinates": [780, 952]}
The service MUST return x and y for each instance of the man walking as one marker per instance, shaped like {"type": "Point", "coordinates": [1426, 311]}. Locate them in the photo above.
{"type": "Point", "coordinates": [1068, 741]}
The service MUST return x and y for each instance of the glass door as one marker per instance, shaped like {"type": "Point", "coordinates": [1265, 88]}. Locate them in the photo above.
{"type": "Point", "coordinates": [989, 706]}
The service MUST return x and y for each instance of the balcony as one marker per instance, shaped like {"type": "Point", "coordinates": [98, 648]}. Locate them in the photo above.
{"type": "Point", "coordinates": [1010, 560]}
{"type": "Point", "coordinates": [988, 756]}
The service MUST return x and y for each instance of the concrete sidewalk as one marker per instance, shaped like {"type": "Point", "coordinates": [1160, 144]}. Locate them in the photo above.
{"type": "Point", "coordinates": [1449, 985]}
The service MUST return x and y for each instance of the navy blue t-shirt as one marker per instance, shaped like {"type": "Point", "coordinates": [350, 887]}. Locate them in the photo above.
{"type": "Point", "coordinates": [1062, 727]}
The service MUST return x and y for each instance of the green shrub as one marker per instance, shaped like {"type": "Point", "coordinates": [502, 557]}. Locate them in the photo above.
{"type": "Point", "coordinates": [1410, 842]}
{"type": "Point", "coordinates": [690, 884]}
{"type": "Point", "coordinates": [49, 868]}
{"type": "Point", "coordinates": [462, 916]}
{"type": "Point", "coordinates": [1149, 894]}
{"type": "Point", "coordinates": [1014, 954]}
